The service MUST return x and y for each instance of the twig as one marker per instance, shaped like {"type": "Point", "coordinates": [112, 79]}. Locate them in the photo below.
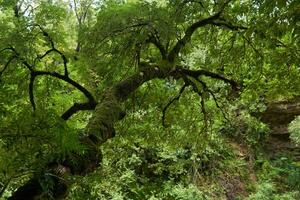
{"type": "Point", "coordinates": [196, 73]}
{"type": "Point", "coordinates": [170, 103]}
{"type": "Point", "coordinates": [7, 64]}
{"type": "Point", "coordinates": [205, 88]}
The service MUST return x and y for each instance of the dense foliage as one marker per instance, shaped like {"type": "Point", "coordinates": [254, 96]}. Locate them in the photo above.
{"type": "Point", "coordinates": [176, 84]}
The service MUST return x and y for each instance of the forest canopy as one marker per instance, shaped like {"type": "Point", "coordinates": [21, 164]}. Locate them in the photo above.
{"type": "Point", "coordinates": [146, 99]}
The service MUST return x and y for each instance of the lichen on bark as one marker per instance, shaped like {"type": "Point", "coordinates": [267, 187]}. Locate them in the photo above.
{"type": "Point", "coordinates": [106, 113]}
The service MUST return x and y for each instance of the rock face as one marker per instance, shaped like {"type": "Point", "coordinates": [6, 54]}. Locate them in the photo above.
{"type": "Point", "coordinates": [278, 115]}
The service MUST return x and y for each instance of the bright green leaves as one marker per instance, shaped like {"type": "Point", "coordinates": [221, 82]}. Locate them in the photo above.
{"type": "Point", "coordinates": [122, 35]}
{"type": "Point", "coordinates": [268, 191]}
{"type": "Point", "coordinates": [57, 21]}
{"type": "Point", "coordinates": [132, 170]}
{"type": "Point", "coordinates": [294, 128]}
{"type": "Point", "coordinates": [261, 53]}
{"type": "Point", "coordinates": [31, 139]}
{"type": "Point", "coordinates": [6, 24]}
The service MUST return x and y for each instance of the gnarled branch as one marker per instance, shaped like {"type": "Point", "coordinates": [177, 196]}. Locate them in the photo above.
{"type": "Point", "coordinates": [188, 34]}
{"type": "Point", "coordinates": [191, 29]}
{"type": "Point", "coordinates": [90, 105]}
{"type": "Point", "coordinates": [77, 107]}
{"type": "Point", "coordinates": [53, 49]}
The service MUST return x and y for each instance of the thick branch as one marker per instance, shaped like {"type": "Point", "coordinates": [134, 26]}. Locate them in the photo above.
{"type": "Point", "coordinates": [129, 85]}
{"type": "Point", "coordinates": [109, 111]}
{"type": "Point", "coordinates": [77, 107]}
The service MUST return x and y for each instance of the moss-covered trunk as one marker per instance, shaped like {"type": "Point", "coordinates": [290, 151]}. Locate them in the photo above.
{"type": "Point", "coordinates": [99, 129]}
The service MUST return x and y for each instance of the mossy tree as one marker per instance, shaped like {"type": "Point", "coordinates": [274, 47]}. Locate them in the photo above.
{"type": "Point", "coordinates": [107, 50]}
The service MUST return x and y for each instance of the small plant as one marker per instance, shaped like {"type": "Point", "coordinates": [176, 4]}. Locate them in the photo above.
{"type": "Point", "coordinates": [267, 191]}
{"type": "Point", "coordinates": [294, 129]}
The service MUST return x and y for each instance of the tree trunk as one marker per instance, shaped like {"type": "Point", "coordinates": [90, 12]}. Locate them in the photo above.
{"type": "Point", "coordinates": [99, 129]}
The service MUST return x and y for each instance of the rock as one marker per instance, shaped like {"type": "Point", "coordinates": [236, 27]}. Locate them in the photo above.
{"type": "Point", "coordinates": [278, 115]}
